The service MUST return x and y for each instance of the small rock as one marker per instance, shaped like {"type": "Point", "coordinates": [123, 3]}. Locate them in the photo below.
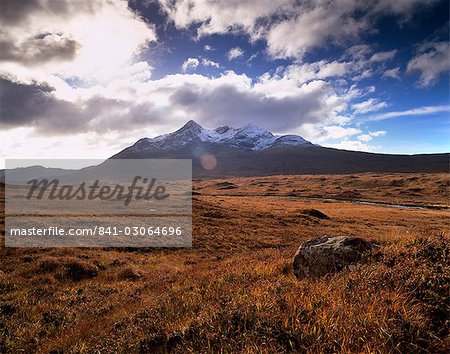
{"type": "Point", "coordinates": [328, 254]}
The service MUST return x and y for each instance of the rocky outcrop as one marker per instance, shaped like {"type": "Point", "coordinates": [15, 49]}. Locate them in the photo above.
{"type": "Point", "coordinates": [328, 254]}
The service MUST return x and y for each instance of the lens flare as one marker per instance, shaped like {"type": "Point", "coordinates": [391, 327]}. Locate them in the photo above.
{"type": "Point", "coordinates": [208, 161]}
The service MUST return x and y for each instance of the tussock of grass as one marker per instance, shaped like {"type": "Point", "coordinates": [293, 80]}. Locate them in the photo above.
{"type": "Point", "coordinates": [129, 273]}
{"type": "Point", "coordinates": [70, 268]}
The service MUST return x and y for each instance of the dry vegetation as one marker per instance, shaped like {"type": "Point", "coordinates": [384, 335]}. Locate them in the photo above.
{"type": "Point", "coordinates": [234, 291]}
{"type": "Point", "coordinates": [397, 188]}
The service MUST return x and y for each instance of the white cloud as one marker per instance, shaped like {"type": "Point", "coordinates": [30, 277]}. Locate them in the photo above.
{"type": "Point", "coordinates": [353, 145]}
{"type": "Point", "coordinates": [235, 53]}
{"type": "Point", "coordinates": [432, 60]}
{"type": "Point", "coordinates": [291, 28]}
{"type": "Point", "coordinates": [370, 135]}
{"type": "Point", "coordinates": [355, 65]}
{"type": "Point", "coordinates": [393, 73]}
{"type": "Point", "coordinates": [20, 143]}
{"type": "Point", "coordinates": [370, 105]}
{"type": "Point", "coordinates": [365, 74]}
{"type": "Point", "coordinates": [383, 56]}
{"type": "Point", "coordinates": [358, 52]}
{"type": "Point", "coordinates": [208, 48]}
{"type": "Point", "coordinates": [221, 16]}
{"type": "Point", "coordinates": [340, 137]}
{"type": "Point", "coordinates": [207, 62]}
{"type": "Point", "coordinates": [190, 63]}
{"type": "Point", "coordinates": [312, 26]}
{"type": "Point", "coordinates": [193, 63]}
{"type": "Point", "coordinates": [317, 70]}
{"type": "Point", "coordinates": [338, 132]}
{"type": "Point", "coordinates": [426, 110]}
{"type": "Point", "coordinates": [321, 133]}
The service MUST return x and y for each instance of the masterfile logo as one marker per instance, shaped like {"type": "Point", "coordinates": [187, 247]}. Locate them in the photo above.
{"type": "Point", "coordinates": [120, 203]}
{"type": "Point", "coordinates": [145, 191]}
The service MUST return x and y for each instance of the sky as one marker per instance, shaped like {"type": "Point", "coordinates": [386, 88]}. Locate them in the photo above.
{"type": "Point", "coordinates": [85, 79]}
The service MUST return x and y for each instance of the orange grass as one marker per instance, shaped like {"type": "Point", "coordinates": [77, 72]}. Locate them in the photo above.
{"type": "Point", "coordinates": [234, 291]}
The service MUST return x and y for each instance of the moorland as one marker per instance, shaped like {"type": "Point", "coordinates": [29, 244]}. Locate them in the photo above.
{"type": "Point", "coordinates": [234, 290]}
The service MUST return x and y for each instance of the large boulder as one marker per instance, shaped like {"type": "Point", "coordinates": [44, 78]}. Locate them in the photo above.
{"type": "Point", "coordinates": [328, 254]}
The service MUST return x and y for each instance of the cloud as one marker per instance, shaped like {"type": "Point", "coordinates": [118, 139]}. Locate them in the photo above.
{"type": "Point", "coordinates": [275, 102]}
{"type": "Point", "coordinates": [190, 63]}
{"type": "Point", "coordinates": [432, 60]}
{"type": "Point", "coordinates": [338, 132]}
{"type": "Point", "coordinates": [208, 48]}
{"type": "Point", "coordinates": [22, 143]}
{"type": "Point", "coordinates": [353, 145]}
{"type": "Point", "coordinates": [43, 47]}
{"type": "Point", "coordinates": [355, 65]}
{"type": "Point", "coordinates": [383, 56]}
{"type": "Point", "coordinates": [234, 53]}
{"type": "Point", "coordinates": [219, 17]}
{"type": "Point", "coordinates": [234, 99]}
{"type": "Point", "coordinates": [290, 28]}
{"type": "Point", "coordinates": [427, 110]}
{"type": "Point", "coordinates": [370, 135]}
{"type": "Point", "coordinates": [358, 52]}
{"type": "Point", "coordinates": [193, 63]}
{"type": "Point", "coordinates": [369, 105]}
{"type": "Point", "coordinates": [318, 70]}
{"type": "Point", "coordinates": [393, 73]}
{"type": "Point", "coordinates": [313, 25]}
{"type": "Point", "coordinates": [23, 103]}
{"type": "Point", "coordinates": [37, 105]}
{"type": "Point", "coordinates": [207, 62]}
{"type": "Point", "coordinates": [91, 41]}
{"type": "Point", "coordinates": [13, 12]}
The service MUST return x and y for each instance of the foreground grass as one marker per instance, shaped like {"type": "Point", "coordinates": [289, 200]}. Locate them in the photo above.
{"type": "Point", "coordinates": [234, 291]}
{"type": "Point", "coordinates": [394, 301]}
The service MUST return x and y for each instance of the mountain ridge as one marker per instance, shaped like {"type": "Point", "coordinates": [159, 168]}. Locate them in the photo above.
{"type": "Point", "coordinates": [252, 151]}
{"type": "Point", "coordinates": [249, 137]}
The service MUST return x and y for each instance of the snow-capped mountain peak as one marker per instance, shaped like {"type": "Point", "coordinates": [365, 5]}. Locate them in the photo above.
{"type": "Point", "coordinates": [192, 126]}
{"type": "Point", "coordinates": [248, 137]}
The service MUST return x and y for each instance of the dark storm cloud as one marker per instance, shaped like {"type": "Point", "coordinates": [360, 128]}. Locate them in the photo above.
{"type": "Point", "coordinates": [41, 48]}
{"type": "Point", "coordinates": [228, 105]}
{"type": "Point", "coordinates": [21, 103]}
{"type": "Point", "coordinates": [15, 12]}
{"type": "Point", "coordinates": [34, 105]}
{"type": "Point", "coordinates": [186, 96]}
{"type": "Point", "coordinates": [21, 44]}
